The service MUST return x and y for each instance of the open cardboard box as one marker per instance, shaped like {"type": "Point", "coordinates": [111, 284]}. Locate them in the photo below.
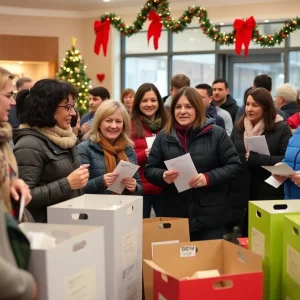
{"type": "Point", "coordinates": [240, 272]}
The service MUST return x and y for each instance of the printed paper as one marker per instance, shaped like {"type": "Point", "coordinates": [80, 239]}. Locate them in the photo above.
{"type": "Point", "coordinates": [150, 141]}
{"type": "Point", "coordinates": [130, 247]}
{"type": "Point", "coordinates": [125, 169]}
{"type": "Point", "coordinates": [258, 144]}
{"type": "Point", "coordinates": [163, 243]}
{"type": "Point", "coordinates": [186, 171]}
{"type": "Point", "coordinates": [293, 263]}
{"type": "Point", "coordinates": [82, 285]}
{"type": "Point", "coordinates": [161, 297]}
{"type": "Point", "coordinates": [258, 242]}
{"type": "Point", "coordinates": [282, 170]}
{"type": "Point", "coordinates": [273, 182]}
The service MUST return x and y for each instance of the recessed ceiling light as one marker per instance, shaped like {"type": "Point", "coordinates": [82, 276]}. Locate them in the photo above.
{"type": "Point", "coordinates": [106, 0]}
{"type": "Point", "coordinates": [20, 62]}
{"type": "Point", "coordinates": [266, 21]}
{"type": "Point", "coordinates": [221, 24]}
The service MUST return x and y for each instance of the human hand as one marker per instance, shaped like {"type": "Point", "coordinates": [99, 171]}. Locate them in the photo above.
{"type": "Point", "coordinates": [79, 178]}
{"type": "Point", "coordinates": [130, 184]}
{"type": "Point", "coordinates": [296, 178]}
{"type": "Point", "coordinates": [198, 181]}
{"type": "Point", "coordinates": [85, 128]}
{"type": "Point", "coordinates": [147, 151]}
{"type": "Point", "coordinates": [109, 179]}
{"type": "Point", "coordinates": [19, 187]}
{"type": "Point", "coordinates": [35, 292]}
{"type": "Point", "coordinates": [170, 176]}
{"type": "Point", "coordinates": [247, 155]}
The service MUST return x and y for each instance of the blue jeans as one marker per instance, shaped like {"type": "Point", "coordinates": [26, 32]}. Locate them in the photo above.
{"type": "Point", "coordinates": [149, 202]}
{"type": "Point", "coordinates": [207, 234]}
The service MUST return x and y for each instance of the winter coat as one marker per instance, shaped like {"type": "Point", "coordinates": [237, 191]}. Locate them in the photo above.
{"type": "Point", "coordinates": [294, 121]}
{"type": "Point", "coordinates": [91, 153]}
{"type": "Point", "coordinates": [251, 184]}
{"type": "Point", "coordinates": [140, 145]}
{"type": "Point", "coordinates": [212, 111]}
{"type": "Point", "coordinates": [289, 109]}
{"type": "Point", "coordinates": [212, 153]}
{"type": "Point", "coordinates": [231, 106]}
{"type": "Point", "coordinates": [292, 158]}
{"type": "Point", "coordinates": [44, 166]}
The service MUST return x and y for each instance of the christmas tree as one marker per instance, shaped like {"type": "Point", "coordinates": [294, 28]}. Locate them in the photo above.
{"type": "Point", "coordinates": [73, 70]}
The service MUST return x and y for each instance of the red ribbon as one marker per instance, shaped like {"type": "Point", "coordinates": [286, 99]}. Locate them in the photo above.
{"type": "Point", "coordinates": [155, 28]}
{"type": "Point", "coordinates": [243, 34]}
{"type": "Point", "coordinates": [102, 36]}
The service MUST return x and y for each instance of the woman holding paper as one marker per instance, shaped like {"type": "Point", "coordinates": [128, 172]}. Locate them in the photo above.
{"type": "Point", "coordinates": [107, 145]}
{"type": "Point", "coordinates": [206, 201]}
{"type": "Point", "coordinates": [147, 119]}
{"type": "Point", "coordinates": [260, 119]}
{"type": "Point", "coordinates": [45, 145]}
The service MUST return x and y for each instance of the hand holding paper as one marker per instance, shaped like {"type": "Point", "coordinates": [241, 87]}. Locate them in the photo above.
{"type": "Point", "coordinates": [258, 144]}
{"type": "Point", "coordinates": [280, 169]}
{"type": "Point", "coordinates": [124, 170]}
{"type": "Point", "coordinates": [150, 140]}
{"type": "Point", "coordinates": [186, 171]}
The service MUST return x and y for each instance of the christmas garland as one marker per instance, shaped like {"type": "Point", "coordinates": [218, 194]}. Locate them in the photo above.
{"type": "Point", "coordinates": [176, 26]}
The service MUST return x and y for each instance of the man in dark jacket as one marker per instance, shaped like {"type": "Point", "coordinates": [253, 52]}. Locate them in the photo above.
{"type": "Point", "coordinates": [286, 99]}
{"type": "Point", "coordinates": [222, 97]}
{"type": "Point", "coordinates": [209, 106]}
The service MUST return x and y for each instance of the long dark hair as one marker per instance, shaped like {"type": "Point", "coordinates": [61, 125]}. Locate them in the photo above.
{"type": "Point", "coordinates": [136, 113]}
{"type": "Point", "coordinates": [263, 98]}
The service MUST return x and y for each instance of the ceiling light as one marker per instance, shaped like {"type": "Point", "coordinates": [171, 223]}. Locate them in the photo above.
{"type": "Point", "coordinates": [266, 21]}
{"type": "Point", "coordinates": [106, 0]}
{"type": "Point", "coordinates": [20, 62]}
{"type": "Point", "coordinates": [221, 24]}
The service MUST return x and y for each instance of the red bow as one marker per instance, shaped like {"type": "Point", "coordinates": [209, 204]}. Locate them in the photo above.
{"type": "Point", "coordinates": [243, 34]}
{"type": "Point", "coordinates": [155, 28]}
{"type": "Point", "coordinates": [102, 35]}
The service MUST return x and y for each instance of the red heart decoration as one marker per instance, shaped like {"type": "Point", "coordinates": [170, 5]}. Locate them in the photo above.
{"type": "Point", "coordinates": [100, 76]}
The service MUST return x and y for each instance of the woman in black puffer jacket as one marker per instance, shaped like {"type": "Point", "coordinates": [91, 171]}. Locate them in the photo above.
{"type": "Point", "coordinates": [206, 203]}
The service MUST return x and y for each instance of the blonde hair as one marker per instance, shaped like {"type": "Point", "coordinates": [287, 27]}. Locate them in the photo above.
{"type": "Point", "coordinates": [287, 92]}
{"type": "Point", "coordinates": [4, 76]}
{"type": "Point", "coordinates": [106, 109]}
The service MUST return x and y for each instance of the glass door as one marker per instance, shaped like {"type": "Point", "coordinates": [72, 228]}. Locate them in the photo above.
{"type": "Point", "coordinates": [242, 71]}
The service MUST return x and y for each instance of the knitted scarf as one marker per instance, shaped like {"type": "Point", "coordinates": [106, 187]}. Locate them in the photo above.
{"type": "Point", "coordinates": [113, 153]}
{"type": "Point", "coordinates": [256, 130]}
{"type": "Point", "coordinates": [8, 165]}
{"type": "Point", "coordinates": [153, 125]}
{"type": "Point", "coordinates": [63, 138]}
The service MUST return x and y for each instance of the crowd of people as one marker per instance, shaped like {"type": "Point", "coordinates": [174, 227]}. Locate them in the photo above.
{"type": "Point", "coordinates": [58, 155]}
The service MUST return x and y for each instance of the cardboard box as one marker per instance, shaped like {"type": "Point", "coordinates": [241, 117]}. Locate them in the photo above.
{"type": "Point", "coordinates": [240, 272]}
{"type": "Point", "coordinates": [266, 220]}
{"type": "Point", "coordinates": [122, 218]}
{"type": "Point", "coordinates": [160, 231]}
{"type": "Point", "coordinates": [74, 268]}
{"type": "Point", "coordinates": [291, 258]}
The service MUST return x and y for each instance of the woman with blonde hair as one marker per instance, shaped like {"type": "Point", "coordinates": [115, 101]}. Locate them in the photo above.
{"type": "Point", "coordinates": [108, 143]}
{"type": "Point", "coordinates": [127, 98]}
{"type": "Point", "coordinates": [206, 203]}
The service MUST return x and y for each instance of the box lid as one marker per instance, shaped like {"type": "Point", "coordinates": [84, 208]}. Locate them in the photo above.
{"type": "Point", "coordinates": [278, 206]}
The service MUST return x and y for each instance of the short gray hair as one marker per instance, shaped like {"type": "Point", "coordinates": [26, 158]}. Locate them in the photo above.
{"type": "Point", "coordinates": [287, 92]}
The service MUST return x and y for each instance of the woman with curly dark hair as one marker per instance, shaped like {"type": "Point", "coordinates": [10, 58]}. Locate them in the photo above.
{"type": "Point", "coordinates": [45, 145]}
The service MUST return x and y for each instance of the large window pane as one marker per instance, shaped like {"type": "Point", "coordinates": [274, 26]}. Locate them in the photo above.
{"type": "Point", "coordinates": [244, 74]}
{"type": "Point", "coordinates": [295, 68]}
{"type": "Point", "coordinates": [199, 68]}
{"type": "Point", "coordinates": [265, 29]}
{"type": "Point", "coordinates": [147, 69]}
{"type": "Point", "coordinates": [192, 39]}
{"type": "Point", "coordinates": [137, 43]}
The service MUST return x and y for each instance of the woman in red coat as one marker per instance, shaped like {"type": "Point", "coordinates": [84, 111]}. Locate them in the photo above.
{"type": "Point", "coordinates": [148, 118]}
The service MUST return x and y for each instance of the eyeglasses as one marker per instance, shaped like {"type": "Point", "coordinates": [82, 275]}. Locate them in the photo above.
{"type": "Point", "coordinates": [68, 107]}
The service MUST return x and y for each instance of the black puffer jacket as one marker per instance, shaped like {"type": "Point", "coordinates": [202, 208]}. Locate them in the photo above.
{"type": "Point", "coordinates": [44, 167]}
{"type": "Point", "coordinates": [212, 153]}
{"type": "Point", "coordinates": [251, 183]}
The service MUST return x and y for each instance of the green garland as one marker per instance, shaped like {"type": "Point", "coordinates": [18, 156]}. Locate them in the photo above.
{"type": "Point", "coordinates": [176, 26]}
